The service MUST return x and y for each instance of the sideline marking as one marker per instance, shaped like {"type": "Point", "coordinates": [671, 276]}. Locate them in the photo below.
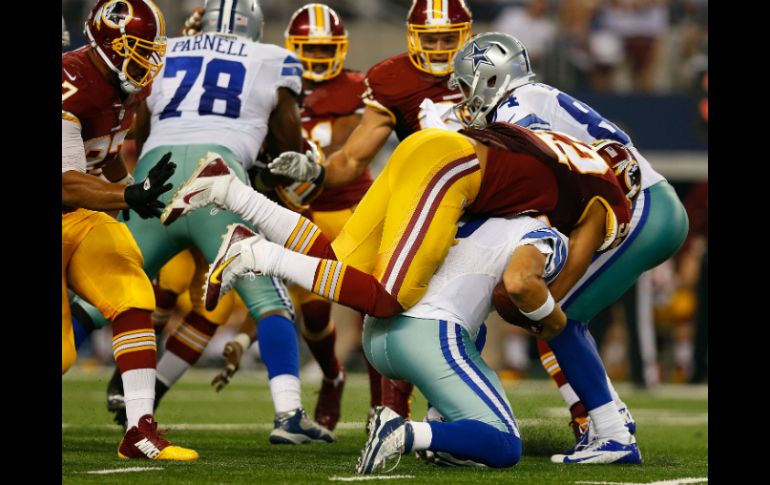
{"type": "Point", "coordinates": [676, 481]}
{"type": "Point", "coordinates": [370, 477]}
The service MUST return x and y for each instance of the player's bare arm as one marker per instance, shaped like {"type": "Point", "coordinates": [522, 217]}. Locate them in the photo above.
{"type": "Point", "coordinates": [90, 192]}
{"type": "Point", "coordinates": [284, 126]}
{"type": "Point", "coordinates": [584, 240]}
{"type": "Point", "coordinates": [523, 280]}
{"type": "Point", "coordinates": [80, 190]}
{"type": "Point", "coordinates": [350, 161]}
{"type": "Point", "coordinates": [341, 130]}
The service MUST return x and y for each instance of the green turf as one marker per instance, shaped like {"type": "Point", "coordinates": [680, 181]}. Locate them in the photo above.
{"type": "Point", "coordinates": [230, 431]}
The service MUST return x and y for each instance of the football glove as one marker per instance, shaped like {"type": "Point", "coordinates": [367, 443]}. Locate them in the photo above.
{"type": "Point", "coordinates": [302, 168]}
{"type": "Point", "coordinates": [143, 196]}
{"type": "Point", "coordinates": [232, 354]}
{"type": "Point", "coordinates": [192, 24]}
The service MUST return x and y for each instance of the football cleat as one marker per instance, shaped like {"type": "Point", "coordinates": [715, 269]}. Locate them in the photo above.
{"type": "Point", "coordinates": [295, 428]}
{"type": "Point", "coordinates": [235, 259]}
{"type": "Point", "coordinates": [327, 409]}
{"type": "Point", "coordinates": [589, 432]}
{"type": "Point", "coordinates": [208, 184]}
{"type": "Point", "coordinates": [115, 400]}
{"type": "Point", "coordinates": [144, 441]}
{"type": "Point", "coordinates": [601, 451]}
{"type": "Point", "coordinates": [628, 420]}
{"type": "Point", "coordinates": [390, 436]}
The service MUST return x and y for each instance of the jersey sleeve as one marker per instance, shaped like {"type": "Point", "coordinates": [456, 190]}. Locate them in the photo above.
{"type": "Point", "coordinates": [290, 74]}
{"type": "Point", "coordinates": [527, 107]}
{"type": "Point", "coordinates": [73, 155]}
{"type": "Point", "coordinates": [377, 93]}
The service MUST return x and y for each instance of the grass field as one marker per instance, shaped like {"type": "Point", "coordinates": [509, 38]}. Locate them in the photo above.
{"type": "Point", "coordinates": [230, 431]}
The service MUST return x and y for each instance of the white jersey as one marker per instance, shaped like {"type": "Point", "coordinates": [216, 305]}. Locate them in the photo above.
{"type": "Point", "coordinates": [219, 90]}
{"type": "Point", "coordinates": [541, 107]}
{"type": "Point", "coordinates": [461, 290]}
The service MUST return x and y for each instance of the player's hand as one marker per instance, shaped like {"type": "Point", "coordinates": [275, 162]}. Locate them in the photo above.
{"type": "Point", "coordinates": [232, 354]}
{"type": "Point", "coordinates": [302, 168]}
{"type": "Point", "coordinates": [192, 24]}
{"type": "Point", "coordinates": [143, 196]}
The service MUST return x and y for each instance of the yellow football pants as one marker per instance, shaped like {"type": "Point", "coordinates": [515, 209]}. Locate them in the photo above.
{"type": "Point", "coordinates": [403, 228]}
{"type": "Point", "coordinates": [102, 263]}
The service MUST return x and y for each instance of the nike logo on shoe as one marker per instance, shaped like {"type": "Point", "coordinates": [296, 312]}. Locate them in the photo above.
{"type": "Point", "coordinates": [607, 457]}
{"type": "Point", "coordinates": [189, 196]}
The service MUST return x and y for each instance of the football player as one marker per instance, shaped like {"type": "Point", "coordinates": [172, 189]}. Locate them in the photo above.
{"type": "Point", "coordinates": [434, 344]}
{"type": "Point", "coordinates": [225, 91]}
{"type": "Point", "coordinates": [498, 84]}
{"type": "Point", "coordinates": [102, 84]}
{"type": "Point", "coordinates": [396, 90]}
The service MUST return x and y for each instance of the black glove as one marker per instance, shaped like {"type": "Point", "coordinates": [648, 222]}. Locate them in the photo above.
{"type": "Point", "coordinates": [143, 196]}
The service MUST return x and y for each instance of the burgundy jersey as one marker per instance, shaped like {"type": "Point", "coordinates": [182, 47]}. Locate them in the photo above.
{"type": "Point", "coordinates": [96, 104]}
{"type": "Point", "coordinates": [329, 100]}
{"type": "Point", "coordinates": [547, 173]}
{"type": "Point", "coordinates": [396, 87]}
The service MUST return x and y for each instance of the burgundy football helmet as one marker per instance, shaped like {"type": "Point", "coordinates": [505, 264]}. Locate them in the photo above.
{"type": "Point", "coordinates": [436, 17]}
{"type": "Point", "coordinates": [316, 24]}
{"type": "Point", "coordinates": [623, 163]}
{"type": "Point", "coordinates": [130, 37]}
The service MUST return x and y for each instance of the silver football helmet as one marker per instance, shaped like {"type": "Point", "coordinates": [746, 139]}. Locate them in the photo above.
{"type": "Point", "coordinates": [240, 18]}
{"type": "Point", "coordinates": [486, 68]}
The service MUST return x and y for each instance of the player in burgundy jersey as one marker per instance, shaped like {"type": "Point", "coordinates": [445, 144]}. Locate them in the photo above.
{"type": "Point", "coordinates": [396, 90]}
{"type": "Point", "coordinates": [102, 84]}
{"type": "Point", "coordinates": [503, 170]}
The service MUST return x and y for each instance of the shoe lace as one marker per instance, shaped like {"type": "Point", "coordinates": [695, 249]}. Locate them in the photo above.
{"type": "Point", "coordinates": [385, 461]}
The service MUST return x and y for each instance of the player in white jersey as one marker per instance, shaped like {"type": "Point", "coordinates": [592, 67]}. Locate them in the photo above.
{"type": "Point", "coordinates": [495, 75]}
{"type": "Point", "coordinates": [223, 91]}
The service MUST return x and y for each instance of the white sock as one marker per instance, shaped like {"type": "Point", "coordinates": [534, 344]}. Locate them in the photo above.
{"type": "Point", "coordinates": [422, 436]}
{"type": "Point", "coordinates": [295, 267]}
{"type": "Point", "coordinates": [609, 424]}
{"type": "Point", "coordinates": [139, 394]}
{"type": "Point", "coordinates": [286, 393]}
{"type": "Point", "coordinates": [275, 222]}
{"type": "Point", "coordinates": [614, 393]}
{"type": "Point", "coordinates": [569, 395]}
{"type": "Point", "coordinates": [170, 368]}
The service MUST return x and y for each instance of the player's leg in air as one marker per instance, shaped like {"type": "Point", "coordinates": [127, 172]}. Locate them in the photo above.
{"type": "Point", "coordinates": [266, 298]}
{"type": "Point", "coordinates": [101, 262]}
{"type": "Point", "coordinates": [659, 226]}
{"type": "Point", "coordinates": [399, 233]}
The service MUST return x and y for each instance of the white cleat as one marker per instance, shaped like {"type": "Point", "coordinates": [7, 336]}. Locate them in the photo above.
{"type": "Point", "coordinates": [235, 259]}
{"type": "Point", "coordinates": [390, 436]}
{"type": "Point", "coordinates": [208, 184]}
{"type": "Point", "coordinates": [603, 451]}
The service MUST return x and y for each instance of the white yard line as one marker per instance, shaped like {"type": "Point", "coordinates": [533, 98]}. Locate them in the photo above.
{"type": "Point", "coordinates": [648, 416]}
{"type": "Point", "coordinates": [212, 426]}
{"type": "Point", "coordinates": [675, 481]}
{"type": "Point", "coordinates": [369, 477]}
{"type": "Point", "coordinates": [124, 470]}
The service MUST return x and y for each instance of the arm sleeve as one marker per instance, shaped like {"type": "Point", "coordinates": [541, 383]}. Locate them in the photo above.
{"type": "Point", "coordinates": [73, 154]}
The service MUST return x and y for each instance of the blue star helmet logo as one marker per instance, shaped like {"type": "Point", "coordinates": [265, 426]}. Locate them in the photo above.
{"type": "Point", "coordinates": [478, 56]}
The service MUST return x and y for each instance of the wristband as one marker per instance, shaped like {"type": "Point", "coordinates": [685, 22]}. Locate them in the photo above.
{"type": "Point", "coordinates": [244, 340]}
{"type": "Point", "coordinates": [543, 311]}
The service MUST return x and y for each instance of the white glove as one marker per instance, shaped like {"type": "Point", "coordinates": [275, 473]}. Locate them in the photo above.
{"type": "Point", "coordinates": [302, 168]}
